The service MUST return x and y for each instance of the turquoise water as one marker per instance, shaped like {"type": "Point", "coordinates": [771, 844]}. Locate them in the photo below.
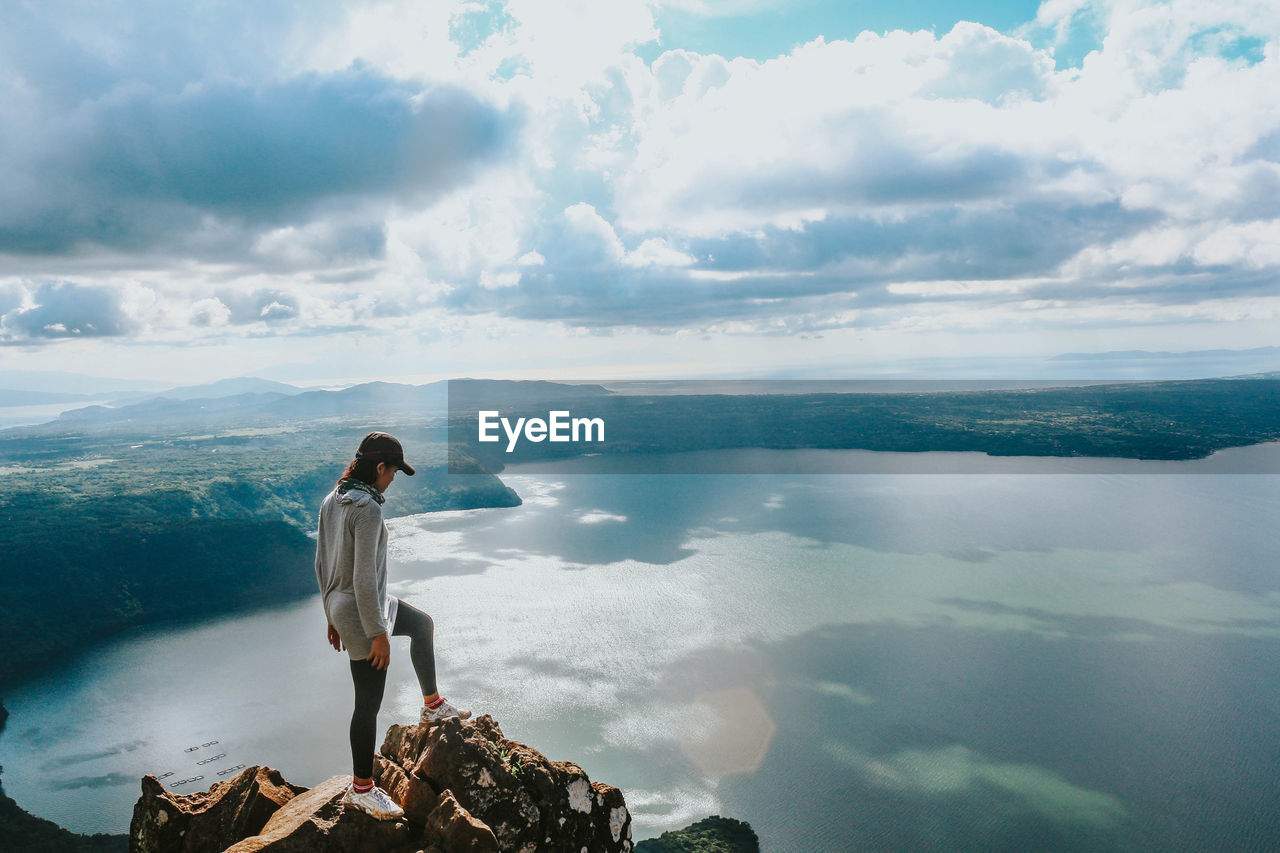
{"type": "Point", "coordinates": [977, 661]}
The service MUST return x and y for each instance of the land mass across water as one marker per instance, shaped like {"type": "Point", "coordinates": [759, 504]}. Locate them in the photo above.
{"type": "Point", "coordinates": [1166, 420]}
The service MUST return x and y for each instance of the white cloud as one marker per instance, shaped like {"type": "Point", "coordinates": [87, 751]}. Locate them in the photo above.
{"type": "Point", "coordinates": [402, 38]}
{"type": "Point", "coordinates": [64, 309]}
{"type": "Point", "coordinates": [209, 312]}
{"type": "Point", "coordinates": [1255, 245]}
{"type": "Point", "coordinates": [656, 251]}
{"type": "Point", "coordinates": [469, 232]}
{"type": "Point", "coordinates": [569, 42]}
{"type": "Point", "coordinates": [591, 239]}
{"type": "Point", "coordinates": [911, 119]}
{"type": "Point", "coordinates": [906, 181]}
{"type": "Point", "coordinates": [833, 127]}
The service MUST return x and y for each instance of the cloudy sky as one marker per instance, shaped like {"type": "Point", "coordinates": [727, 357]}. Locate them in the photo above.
{"type": "Point", "coordinates": [328, 191]}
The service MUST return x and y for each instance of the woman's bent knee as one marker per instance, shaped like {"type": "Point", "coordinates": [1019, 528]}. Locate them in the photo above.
{"type": "Point", "coordinates": [412, 622]}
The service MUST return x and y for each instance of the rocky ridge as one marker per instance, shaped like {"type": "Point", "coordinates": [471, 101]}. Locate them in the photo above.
{"type": "Point", "coordinates": [462, 784]}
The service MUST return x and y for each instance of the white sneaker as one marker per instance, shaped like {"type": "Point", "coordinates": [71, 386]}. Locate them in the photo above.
{"type": "Point", "coordinates": [445, 709]}
{"type": "Point", "coordinates": [374, 802]}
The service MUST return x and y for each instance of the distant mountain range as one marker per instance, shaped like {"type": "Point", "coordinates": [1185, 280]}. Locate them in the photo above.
{"type": "Point", "coordinates": [163, 414]}
{"type": "Point", "coordinates": [22, 389]}
{"type": "Point", "coordinates": [221, 388]}
{"type": "Point", "coordinates": [274, 403]}
{"type": "Point", "coordinates": [1146, 355]}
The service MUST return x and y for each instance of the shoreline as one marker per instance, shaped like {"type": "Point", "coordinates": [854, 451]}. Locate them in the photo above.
{"type": "Point", "coordinates": [889, 462]}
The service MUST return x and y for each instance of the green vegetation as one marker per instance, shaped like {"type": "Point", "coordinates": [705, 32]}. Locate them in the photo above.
{"type": "Point", "coordinates": [1140, 420]}
{"type": "Point", "coordinates": [513, 762]}
{"type": "Point", "coordinates": [107, 530]}
{"type": "Point", "coordinates": [713, 834]}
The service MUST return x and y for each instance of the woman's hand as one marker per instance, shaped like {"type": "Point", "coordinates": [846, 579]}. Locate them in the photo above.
{"type": "Point", "coordinates": [335, 640]}
{"type": "Point", "coordinates": [380, 657]}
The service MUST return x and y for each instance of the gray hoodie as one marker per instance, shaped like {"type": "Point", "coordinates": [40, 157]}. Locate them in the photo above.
{"type": "Point", "coordinates": [351, 568]}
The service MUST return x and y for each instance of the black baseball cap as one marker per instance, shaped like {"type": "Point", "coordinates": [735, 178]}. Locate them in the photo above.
{"type": "Point", "coordinates": [381, 447]}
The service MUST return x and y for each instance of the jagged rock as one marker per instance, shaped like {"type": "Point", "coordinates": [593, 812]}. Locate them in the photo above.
{"type": "Point", "coordinates": [414, 795]}
{"type": "Point", "coordinates": [465, 788]}
{"type": "Point", "coordinates": [530, 803]}
{"type": "Point", "coordinates": [445, 820]}
{"type": "Point", "coordinates": [457, 830]}
{"type": "Point", "coordinates": [201, 822]}
{"type": "Point", "coordinates": [317, 821]}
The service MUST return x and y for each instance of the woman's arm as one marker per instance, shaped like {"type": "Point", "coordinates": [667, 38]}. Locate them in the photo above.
{"type": "Point", "coordinates": [367, 528]}
{"type": "Point", "coordinates": [334, 639]}
{"type": "Point", "coordinates": [320, 578]}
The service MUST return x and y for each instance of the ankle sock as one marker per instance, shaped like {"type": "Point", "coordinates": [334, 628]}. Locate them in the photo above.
{"type": "Point", "coordinates": [436, 704]}
{"type": "Point", "coordinates": [360, 789]}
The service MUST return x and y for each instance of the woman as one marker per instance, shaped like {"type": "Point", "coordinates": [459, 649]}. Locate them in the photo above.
{"type": "Point", "coordinates": [351, 567]}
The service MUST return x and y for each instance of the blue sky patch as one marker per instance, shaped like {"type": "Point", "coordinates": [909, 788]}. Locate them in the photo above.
{"type": "Point", "coordinates": [776, 30]}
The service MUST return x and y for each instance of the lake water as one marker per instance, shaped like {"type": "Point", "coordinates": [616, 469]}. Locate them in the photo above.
{"type": "Point", "coordinates": [849, 662]}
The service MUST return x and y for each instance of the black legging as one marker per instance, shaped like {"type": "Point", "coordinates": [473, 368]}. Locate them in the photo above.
{"type": "Point", "coordinates": [370, 683]}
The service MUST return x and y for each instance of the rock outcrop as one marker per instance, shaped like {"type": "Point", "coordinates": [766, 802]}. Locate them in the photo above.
{"type": "Point", "coordinates": [203, 822]}
{"type": "Point", "coordinates": [528, 802]}
{"type": "Point", "coordinates": [462, 784]}
{"type": "Point", "coordinates": [316, 820]}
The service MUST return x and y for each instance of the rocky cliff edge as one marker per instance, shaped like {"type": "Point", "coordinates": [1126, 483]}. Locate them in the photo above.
{"type": "Point", "coordinates": [462, 784]}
